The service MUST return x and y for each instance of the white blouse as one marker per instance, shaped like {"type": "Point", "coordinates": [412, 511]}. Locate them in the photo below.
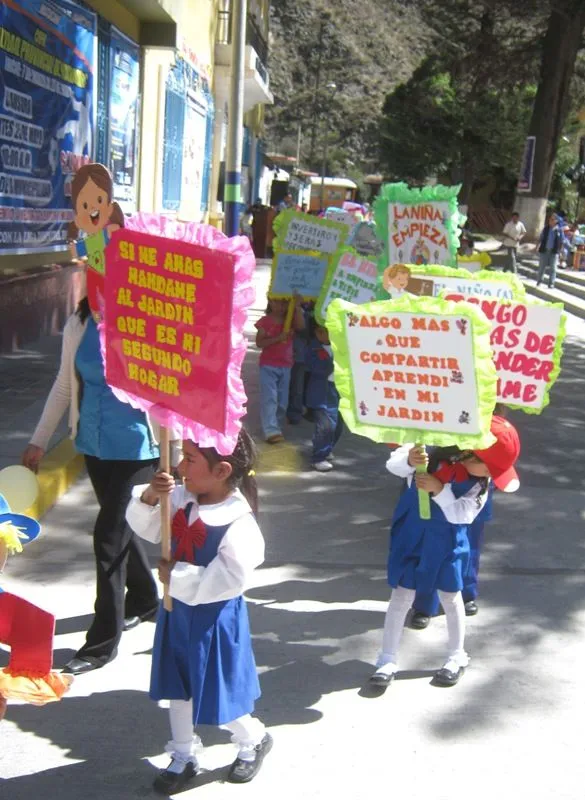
{"type": "Point", "coordinates": [457, 510]}
{"type": "Point", "coordinates": [241, 549]}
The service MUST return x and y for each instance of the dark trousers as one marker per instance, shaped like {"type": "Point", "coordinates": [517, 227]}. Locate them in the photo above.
{"type": "Point", "coordinates": [121, 561]}
{"type": "Point", "coordinates": [328, 429]}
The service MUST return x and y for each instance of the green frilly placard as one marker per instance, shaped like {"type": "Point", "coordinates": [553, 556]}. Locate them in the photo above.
{"type": "Point", "coordinates": [419, 229]}
{"type": "Point", "coordinates": [416, 369]}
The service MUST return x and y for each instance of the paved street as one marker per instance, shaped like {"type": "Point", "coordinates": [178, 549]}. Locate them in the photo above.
{"type": "Point", "coordinates": [512, 727]}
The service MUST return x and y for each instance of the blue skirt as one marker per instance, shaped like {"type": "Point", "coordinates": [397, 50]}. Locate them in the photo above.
{"type": "Point", "coordinates": [427, 555]}
{"type": "Point", "coordinates": [204, 653]}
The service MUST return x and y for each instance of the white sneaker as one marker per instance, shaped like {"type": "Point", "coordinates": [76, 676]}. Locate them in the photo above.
{"type": "Point", "coordinates": [323, 466]}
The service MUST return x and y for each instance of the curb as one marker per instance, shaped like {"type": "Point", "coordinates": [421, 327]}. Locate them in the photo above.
{"type": "Point", "coordinates": [59, 470]}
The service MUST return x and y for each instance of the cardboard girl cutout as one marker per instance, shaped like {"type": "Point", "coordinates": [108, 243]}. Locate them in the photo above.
{"type": "Point", "coordinates": [98, 216]}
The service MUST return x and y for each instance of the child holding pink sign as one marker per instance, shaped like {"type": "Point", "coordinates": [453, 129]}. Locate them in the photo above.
{"type": "Point", "coordinates": [203, 660]}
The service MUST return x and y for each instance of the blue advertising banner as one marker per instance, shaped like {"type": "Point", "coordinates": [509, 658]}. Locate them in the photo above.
{"type": "Point", "coordinates": [124, 115]}
{"type": "Point", "coordinates": [46, 82]}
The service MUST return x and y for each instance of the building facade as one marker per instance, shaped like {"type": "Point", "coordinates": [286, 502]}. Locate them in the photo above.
{"type": "Point", "coordinates": [139, 85]}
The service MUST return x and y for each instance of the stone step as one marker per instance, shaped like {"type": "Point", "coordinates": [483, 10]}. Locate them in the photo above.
{"type": "Point", "coordinates": [572, 302]}
{"type": "Point", "coordinates": [563, 282]}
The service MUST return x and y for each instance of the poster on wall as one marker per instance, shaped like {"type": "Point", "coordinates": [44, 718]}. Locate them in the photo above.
{"type": "Point", "coordinates": [124, 118]}
{"type": "Point", "coordinates": [418, 226]}
{"type": "Point", "coordinates": [194, 135]}
{"type": "Point", "coordinates": [46, 131]}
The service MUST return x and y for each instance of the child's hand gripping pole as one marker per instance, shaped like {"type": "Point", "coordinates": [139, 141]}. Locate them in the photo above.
{"type": "Point", "coordinates": [424, 498]}
{"type": "Point", "coordinates": [165, 512]}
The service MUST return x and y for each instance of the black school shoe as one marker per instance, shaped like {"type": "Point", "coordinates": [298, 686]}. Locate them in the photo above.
{"type": "Point", "coordinates": [167, 782]}
{"type": "Point", "coordinates": [446, 677]}
{"type": "Point", "coordinates": [243, 771]}
{"type": "Point", "coordinates": [419, 621]}
{"type": "Point", "coordinates": [471, 608]}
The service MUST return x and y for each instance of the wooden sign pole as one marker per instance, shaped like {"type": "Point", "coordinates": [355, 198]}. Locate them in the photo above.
{"type": "Point", "coordinates": [290, 315]}
{"type": "Point", "coordinates": [165, 511]}
{"type": "Point", "coordinates": [424, 498]}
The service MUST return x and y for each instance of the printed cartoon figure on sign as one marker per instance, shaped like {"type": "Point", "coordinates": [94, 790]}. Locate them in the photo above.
{"type": "Point", "coordinates": [96, 215]}
{"type": "Point", "coordinates": [395, 280]}
{"type": "Point", "coordinates": [421, 253]}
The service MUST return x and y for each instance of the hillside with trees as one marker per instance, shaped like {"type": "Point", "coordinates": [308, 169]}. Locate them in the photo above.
{"type": "Point", "coordinates": [445, 88]}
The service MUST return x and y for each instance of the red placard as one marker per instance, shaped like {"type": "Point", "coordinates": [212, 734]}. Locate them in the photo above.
{"type": "Point", "coordinates": [168, 311]}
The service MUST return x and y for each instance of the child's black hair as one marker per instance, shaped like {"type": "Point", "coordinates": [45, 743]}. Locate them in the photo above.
{"type": "Point", "coordinates": [83, 310]}
{"type": "Point", "coordinates": [452, 455]}
{"type": "Point", "coordinates": [242, 462]}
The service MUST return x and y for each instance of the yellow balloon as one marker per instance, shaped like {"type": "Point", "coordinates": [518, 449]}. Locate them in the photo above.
{"type": "Point", "coordinates": [20, 488]}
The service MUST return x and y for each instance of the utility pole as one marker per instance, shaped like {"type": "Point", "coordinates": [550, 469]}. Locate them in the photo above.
{"type": "Point", "coordinates": [324, 19]}
{"type": "Point", "coordinates": [233, 160]}
{"type": "Point", "coordinates": [331, 89]}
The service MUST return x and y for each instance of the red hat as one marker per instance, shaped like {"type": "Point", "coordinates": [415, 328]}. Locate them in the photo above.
{"type": "Point", "coordinates": [501, 456]}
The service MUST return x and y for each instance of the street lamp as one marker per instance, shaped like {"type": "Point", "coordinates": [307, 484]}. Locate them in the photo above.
{"type": "Point", "coordinates": [331, 88]}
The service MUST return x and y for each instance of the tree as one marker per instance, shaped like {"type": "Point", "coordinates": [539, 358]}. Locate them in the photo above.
{"type": "Point", "coordinates": [561, 44]}
{"type": "Point", "coordinates": [439, 123]}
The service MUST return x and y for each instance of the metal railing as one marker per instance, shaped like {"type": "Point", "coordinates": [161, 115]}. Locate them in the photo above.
{"type": "Point", "coordinates": [254, 38]}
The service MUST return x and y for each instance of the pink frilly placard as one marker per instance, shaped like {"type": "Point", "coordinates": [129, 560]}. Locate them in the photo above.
{"type": "Point", "coordinates": [239, 249]}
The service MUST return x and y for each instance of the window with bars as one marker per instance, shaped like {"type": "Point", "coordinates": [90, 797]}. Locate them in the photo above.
{"type": "Point", "coordinates": [175, 98]}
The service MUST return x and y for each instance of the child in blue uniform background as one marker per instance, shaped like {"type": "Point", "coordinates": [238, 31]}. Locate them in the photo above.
{"type": "Point", "coordinates": [202, 658]}
{"type": "Point", "coordinates": [323, 400]}
{"type": "Point", "coordinates": [432, 554]}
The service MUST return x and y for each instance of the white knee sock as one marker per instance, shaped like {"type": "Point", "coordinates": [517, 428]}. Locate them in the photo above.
{"type": "Point", "coordinates": [247, 732]}
{"type": "Point", "coordinates": [454, 608]}
{"type": "Point", "coordinates": [398, 607]}
{"type": "Point", "coordinates": [184, 744]}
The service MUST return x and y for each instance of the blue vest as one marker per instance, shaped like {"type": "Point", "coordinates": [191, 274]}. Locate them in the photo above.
{"type": "Point", "coordinates": [108, 428]}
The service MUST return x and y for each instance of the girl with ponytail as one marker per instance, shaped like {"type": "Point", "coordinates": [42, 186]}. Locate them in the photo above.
{"type": "Point", "coordinates": [202, 658]}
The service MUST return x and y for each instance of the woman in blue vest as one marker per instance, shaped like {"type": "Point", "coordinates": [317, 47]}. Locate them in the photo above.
{"type": "Point", "coordinates": [120, 448]}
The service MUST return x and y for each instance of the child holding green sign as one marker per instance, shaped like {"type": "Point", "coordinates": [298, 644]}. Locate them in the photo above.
{"type": "Point", "coordinates": [429, 554]}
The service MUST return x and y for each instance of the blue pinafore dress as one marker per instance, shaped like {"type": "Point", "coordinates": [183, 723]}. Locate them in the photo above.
{"type": "Point", "coordinates": [204, 652]}
{"type": "Point", "coordinates": [428, 554]}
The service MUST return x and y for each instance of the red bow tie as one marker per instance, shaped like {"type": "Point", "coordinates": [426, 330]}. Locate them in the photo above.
{"type": "Point", "coordinates": [452, 473]}
{"type": "Point", "coordinates": [187, 537]}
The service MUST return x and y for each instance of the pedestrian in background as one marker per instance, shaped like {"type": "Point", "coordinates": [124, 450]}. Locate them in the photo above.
{"type": "Point", "coordinates": [276, 360]}
{"type": "Point", "coordinates": [298, 374]}
{"type": "Point", "coordinates": [202, 660]}
{"type": "Point", "coordinates": [323, 400]}
{"type": "Point", "coordinates": [549, 249]}
{"type": "Point", "coordinates": [514, 231]}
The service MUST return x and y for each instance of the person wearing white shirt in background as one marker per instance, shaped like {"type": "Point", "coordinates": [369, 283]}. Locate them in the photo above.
{"type": "Point", "coordinates": [202, 658]}
{"type": "Point", "coordinates": [514, 231]}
